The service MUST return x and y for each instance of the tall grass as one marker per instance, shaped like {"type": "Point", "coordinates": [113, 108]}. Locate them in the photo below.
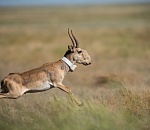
{"type": "Point", "coordinates": [124, 110]}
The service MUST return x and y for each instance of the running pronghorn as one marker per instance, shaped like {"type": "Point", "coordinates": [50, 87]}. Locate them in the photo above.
{"type": "Point", "coordinates": [49, 75]}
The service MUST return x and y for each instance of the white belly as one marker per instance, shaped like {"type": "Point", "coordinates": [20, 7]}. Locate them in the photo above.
{"type": "Point", "coordinates": [42, 87]}
{"type": "Point", "coordinates": [45, 86]}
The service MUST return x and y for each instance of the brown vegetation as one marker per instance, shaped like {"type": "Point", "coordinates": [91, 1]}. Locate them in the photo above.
{"type": "Point", "coordinates": [115, 89]}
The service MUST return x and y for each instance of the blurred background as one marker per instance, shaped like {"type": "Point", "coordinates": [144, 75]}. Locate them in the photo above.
{"type": "Point", "coordinates": [116, 34]}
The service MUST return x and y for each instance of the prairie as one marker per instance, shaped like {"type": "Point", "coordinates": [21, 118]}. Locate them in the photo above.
{"type": "Point", "coordinates": [115, 88]}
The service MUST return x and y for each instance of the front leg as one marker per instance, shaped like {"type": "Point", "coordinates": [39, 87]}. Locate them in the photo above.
{"type": "Point", "coordinates": [68, 90]}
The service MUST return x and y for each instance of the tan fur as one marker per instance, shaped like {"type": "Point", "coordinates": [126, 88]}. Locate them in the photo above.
{"type": "Point", "coordinates": [47, 76]}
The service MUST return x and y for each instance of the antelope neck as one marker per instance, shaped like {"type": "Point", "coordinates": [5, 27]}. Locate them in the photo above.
{"type": "Point", "coordinates": [69, 63]}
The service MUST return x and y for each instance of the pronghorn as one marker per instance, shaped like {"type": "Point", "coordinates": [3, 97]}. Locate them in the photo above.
{"type": "Point", "coordinates": [47, 76]}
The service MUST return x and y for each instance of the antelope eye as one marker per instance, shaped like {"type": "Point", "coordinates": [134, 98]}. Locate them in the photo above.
{"type": "Point", "coordinates": [79, 52]}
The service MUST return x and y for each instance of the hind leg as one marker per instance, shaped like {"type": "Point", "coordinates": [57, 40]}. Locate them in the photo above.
{"type": "Point", "coordinates": [8, 95]}
{"type": "Point", "coordinates": [10, 90]}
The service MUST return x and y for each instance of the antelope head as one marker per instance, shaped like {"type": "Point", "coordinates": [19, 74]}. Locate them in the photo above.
{"type": "Point", "coordinates": [75, 54]}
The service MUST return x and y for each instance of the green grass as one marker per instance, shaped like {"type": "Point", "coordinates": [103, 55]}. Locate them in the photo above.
{"type": "Point", "coordinates": [124, 110]}
{"type": "Point", "coordinates": [115, 88]}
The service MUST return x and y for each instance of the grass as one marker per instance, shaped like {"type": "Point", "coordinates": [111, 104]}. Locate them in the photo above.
{"type": "Point", "coordinates": [114, 88]}
{"type": "Point", "coordinates": [124, 110]}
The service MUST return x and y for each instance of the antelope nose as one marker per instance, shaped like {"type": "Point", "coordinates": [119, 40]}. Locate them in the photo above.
{"type": "Point", "coordinates": [89, 63]}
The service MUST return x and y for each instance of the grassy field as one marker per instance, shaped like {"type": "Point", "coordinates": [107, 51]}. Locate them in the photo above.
{"type": "Point", "coordinates": [115, 88]}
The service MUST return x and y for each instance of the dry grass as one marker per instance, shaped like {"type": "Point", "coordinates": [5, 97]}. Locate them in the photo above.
{"type": "Point", "coordinates": [115, 88]}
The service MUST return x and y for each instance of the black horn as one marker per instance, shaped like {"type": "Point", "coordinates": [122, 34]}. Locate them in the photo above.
{"type": "Point", "coordinates": [71, 38]}
{"type": "Point", "coordinates": [76, 41]}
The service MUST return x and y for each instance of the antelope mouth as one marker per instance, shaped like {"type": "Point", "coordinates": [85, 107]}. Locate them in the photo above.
{"type": "Point", "coordinates": [86, 64]}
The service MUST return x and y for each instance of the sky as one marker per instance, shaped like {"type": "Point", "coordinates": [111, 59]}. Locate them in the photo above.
{"type": "Point", "coordinates": [64, 2]}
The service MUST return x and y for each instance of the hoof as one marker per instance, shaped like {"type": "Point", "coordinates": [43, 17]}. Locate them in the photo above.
{"type": "Point", "coordinates": [80, 103]}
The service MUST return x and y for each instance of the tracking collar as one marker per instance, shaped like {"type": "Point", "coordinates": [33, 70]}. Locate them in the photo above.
{"type": "Point", "coordinates": [69, 63]}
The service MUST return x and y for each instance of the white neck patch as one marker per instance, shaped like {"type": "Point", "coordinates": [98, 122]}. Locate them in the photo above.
{"type": "Point", "coordinates": [69, 63]}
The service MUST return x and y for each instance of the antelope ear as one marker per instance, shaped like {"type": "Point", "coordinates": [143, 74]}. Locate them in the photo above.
{"type": "Point", "coordinates": [71, 48]}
